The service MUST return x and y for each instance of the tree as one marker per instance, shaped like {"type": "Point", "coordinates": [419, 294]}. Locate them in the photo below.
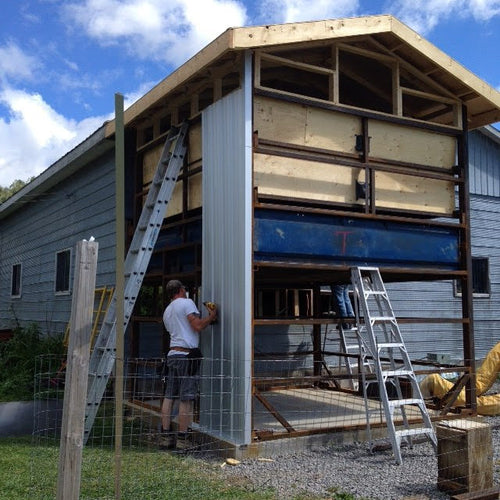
{"type": "Point", "coordinates": [7, 192]}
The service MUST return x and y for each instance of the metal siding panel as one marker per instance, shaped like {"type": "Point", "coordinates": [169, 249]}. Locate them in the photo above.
{"type": "Point", "coordinates": [79, 207]}
{"type": "Point", "coordinates": [484, 164]}
{"type": "Point", "coordinates": [485, 225]}
{"type": "Point", "coordinates": [226, 139]}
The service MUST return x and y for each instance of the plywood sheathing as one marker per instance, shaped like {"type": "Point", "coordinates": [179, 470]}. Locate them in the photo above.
{"type": "Point", "coordinates": [482, 100]}
{"type": "Point", "coordinates": [150, 161]}
{"type": "Point", "coordinates": [290, 124]}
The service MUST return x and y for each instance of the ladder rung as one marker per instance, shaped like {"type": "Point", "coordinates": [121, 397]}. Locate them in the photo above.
{"type": "Point", "coordinates": [352, 346]}
{"type": "Point", "coordinates": [396, 373]}
{"type": "Point", "coordinates": [414, 432]}
{"type": "Point", "coordinates": [403, 402]}
{"type": "Point", "coordinates": [375, 292]}
{"type": "Point", "coordinates": [390, 345]}
{"type": "Point", "coordinates": [104, 349]}
{"type": "Point", "coordinates": [377, 319]}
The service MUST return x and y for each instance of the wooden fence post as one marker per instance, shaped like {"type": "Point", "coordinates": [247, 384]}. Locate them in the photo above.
{"type": "Point", "coordinates": [75, 389]}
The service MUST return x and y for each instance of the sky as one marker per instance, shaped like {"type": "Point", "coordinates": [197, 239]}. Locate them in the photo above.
{"type": "Point", "coordinates": [62, 61]}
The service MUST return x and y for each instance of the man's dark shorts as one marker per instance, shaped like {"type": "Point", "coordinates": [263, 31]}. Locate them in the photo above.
{"type": "Point", "coordinates": [183, 378]}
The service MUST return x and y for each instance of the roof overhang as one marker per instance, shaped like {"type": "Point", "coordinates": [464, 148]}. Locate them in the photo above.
{"type": "Point", "coordinates": [482, 100]}
{"type": "Point", "coordinates": [492, 133]}
{"type": "Point", "coordinates": [94, 146]}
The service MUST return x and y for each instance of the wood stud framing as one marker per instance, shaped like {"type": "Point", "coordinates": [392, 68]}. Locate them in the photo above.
{"type": "Point", "coordinates": [436, 99]}
{"type": "Point", "coordinates": [418, 95]}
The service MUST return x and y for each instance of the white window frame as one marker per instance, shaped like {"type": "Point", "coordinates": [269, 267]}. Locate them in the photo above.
{"type": "Point", "coordinates": [67, 290]}
{"type": "Point", "coordinates": [18, 275]}
{"type": "Point", "coordinates": [483, 295]}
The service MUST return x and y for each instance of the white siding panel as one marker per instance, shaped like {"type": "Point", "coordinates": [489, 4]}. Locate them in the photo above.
{"type": "Point", "coordinates": [226, 142]}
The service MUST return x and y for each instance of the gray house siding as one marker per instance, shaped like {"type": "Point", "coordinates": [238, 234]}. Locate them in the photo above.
{"type": "Point", "coordinates": [80, 206]}
{"type": "Point", "coordinates": [439, 299]}
{"type": "Point", "coordinates": [484, 161]}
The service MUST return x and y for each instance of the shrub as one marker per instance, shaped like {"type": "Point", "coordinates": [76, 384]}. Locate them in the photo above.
{"type": "Point", "coordinates": [17, 361]}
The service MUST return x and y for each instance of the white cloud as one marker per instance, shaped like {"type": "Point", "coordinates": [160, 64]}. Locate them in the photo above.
{"type": "Point", "coordinates": [287, 11]}
{"type": "Point", "coordinates": [15, 64]}
{"type": "Point", "coordinates": [425, 15]}
{"type": "Point", "coordinates": [35, 135]}
{"type": "Point", "coordinates": [154, 29]}
{"type": "Point", "coordinates": [484, 9]}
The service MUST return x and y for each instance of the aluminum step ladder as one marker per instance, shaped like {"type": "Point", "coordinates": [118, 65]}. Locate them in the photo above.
{"type": "Point", "coordinates": [382, 342]}
{"type": "Point", "coordinates": [350, 344]}
{"type": "Point", "coordinates": [102, 359]}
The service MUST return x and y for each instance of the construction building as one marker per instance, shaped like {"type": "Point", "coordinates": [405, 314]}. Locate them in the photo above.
{"type": "Point", "coordinates": [311, 148]}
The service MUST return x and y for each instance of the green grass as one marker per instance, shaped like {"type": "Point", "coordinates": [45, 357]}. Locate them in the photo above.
{"type": "Point", "coordinates": [30, 471]}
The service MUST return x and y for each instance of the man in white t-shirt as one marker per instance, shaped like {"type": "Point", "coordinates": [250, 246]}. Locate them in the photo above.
{"type": "Point", "coordinates": [182, 321]}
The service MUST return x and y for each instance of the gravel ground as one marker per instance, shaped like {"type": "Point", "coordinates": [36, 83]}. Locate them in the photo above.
{"type": "Point", "coordinates": [353, 469]}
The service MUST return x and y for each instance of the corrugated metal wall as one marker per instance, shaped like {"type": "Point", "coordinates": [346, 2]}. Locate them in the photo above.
{"type": "Point", "coordinates": [484, 160]}
{"type": "Point", "coordinates": [227, 244]}
{"type": "Point", "coordinates": [77, 208]}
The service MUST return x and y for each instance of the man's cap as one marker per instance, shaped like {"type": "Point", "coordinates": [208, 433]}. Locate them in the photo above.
{"type": "Point", "coordinates": [173, 287]}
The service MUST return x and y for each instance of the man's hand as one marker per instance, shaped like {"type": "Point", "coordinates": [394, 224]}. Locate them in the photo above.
{"type": "Point", "coordinates": [212, 310]}
{"type": "Point", "coordinates": [198, 324]}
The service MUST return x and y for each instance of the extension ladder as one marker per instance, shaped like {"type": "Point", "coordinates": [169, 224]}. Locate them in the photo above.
{"type": "Point", "coordinates": [145, 236]}
{"type": "Point", "coordinates": [382, 342]}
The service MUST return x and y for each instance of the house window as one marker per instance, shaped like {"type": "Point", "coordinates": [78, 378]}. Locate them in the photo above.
{"type": "Point", "coordinates": [15, 289]}
{"type": "Point", "coordinates": [63, 260]}
{"type": "Point", "coordinates": [480, 278]}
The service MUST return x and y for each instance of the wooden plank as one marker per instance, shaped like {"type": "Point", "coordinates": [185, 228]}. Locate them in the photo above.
{"type": "Point", "coordinates": [149, 163]}
{"type": "Point", "coordinates": [281, 121]}
{"type": "Point", "coordinates": [396, 142]}
{"type": "Point", "coordinates": [270, 35]}
{"type": "Point", "coordinates": [335, 63]}
{"type": "Point", "coordinates": [428, 95]}
{"type": "Point", "coordinates": [291, 177]}
{"type": "Point", "coordinates": [194, 150]}
{"type": "Point", "coordinates": [195, 191]}
{"type": "Point", "coordinates": [174, 206]}
{"type": "Point", "coordinates": [489, 494]}
{"type": "Point", "coordinates": [282, 61]}
{"type": "Point", "coordinates": [413, 193]}
{"type": "Point", "coordinates": [397, 98]}
{"type": "Point", "coordinates": [75, 389]}
{"type": "Point", "coordinates": [302, 125]}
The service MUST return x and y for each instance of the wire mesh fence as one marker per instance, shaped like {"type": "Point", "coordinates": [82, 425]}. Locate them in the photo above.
{"type": "Point", "coordinates": [288, 433]}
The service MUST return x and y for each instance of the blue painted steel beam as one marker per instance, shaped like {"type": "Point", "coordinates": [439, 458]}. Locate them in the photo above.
{"type": "Point", "coordinates": [313, 238]}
